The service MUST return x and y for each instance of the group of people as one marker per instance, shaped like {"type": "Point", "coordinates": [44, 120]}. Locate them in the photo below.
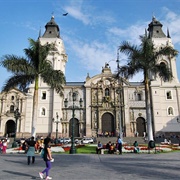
{"type": "Point", "coordinates": [112, 147]}
{"type": "Point", "coordinates": [31, 147]}
{"type": "Point", "coordinates": [39, 145]}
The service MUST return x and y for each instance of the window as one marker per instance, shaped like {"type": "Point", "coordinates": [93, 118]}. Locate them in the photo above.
{"type": "Point", "coordinates": [12, 97]}
{"type": "Point", "coordinates": [139, 97]}
{"type": "Point", "coordinates": [43, 112]}
{"type": "Point", "coordinates": [168, 95]}
{"type": "Point", "coordinates": [170, 111]}
{"type": "Point", "coordinates": [12, 109]}
{"type": "Point", "coordinates": [43, 95]}
{"type": "Point", "coordinates": [73, 95]}
{"type": "Point", "coordinates": [164, 66]}
{"type": "Point", "coordinates": [106, 92]}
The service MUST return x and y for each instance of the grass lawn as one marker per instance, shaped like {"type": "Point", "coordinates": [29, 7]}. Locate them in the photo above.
{"type": "Point", "coordinates": [87, 149]}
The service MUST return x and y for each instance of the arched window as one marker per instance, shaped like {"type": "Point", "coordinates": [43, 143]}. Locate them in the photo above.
{"type": "Point", "coordinates": [12, 97]}
{"type": "Point", "coordinates": [170, 111]}
{"type": "Point", "coordinates": [43, 112]}
{"type": "Point", "coordinates": [12, 109]}
{"type": "Point", "coordinates": [75, 93]}
{"type": "Point", "coordinates": [163, 67]}
{"type": "Point", "coordinates": [106, 92]}
{"type": "Point", "coordinates": [138, 96]}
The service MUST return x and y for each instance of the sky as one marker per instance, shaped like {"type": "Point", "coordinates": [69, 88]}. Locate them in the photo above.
{"type": "Point", "coordinates": [92, 30]}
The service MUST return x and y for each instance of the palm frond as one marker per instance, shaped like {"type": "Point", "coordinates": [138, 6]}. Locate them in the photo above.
{"type": "Point", "coordinates": [166, 51]}
{"type": "Point", "coordinates": [37, 53]}
{"type": "Point", "coordinates": [163, 71]}
{"type": "Point", "coordinates": [55, 79]}
{"type": "Point", "coordinates": [17, 81]}
{"type": "Point", "coordinates": [127, 48]}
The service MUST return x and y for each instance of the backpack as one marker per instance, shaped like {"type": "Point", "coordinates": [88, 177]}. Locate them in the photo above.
{"type": "Point", "coordinates": [42, 153]}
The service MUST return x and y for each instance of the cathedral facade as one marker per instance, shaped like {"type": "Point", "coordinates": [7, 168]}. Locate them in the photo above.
{"type": "Point", "coordinates": [101, 104]}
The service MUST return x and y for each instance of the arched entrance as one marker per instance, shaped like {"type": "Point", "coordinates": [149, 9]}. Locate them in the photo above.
{"type": "Point", "coordinates": [140, 126]}
{"type": "Point", "coordinates": [108, 124]}
{"type": "Point", "coordinates": [76, 127]}
{"type": "Point", "coordinates": [10, 128]}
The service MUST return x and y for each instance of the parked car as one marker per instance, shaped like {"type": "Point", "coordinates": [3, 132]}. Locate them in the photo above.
{"type": "Point", "coordinates": [87, 141]}
{"type": "Point", "coordinates": [64, 140]}
{"type": "Point", "coordinates": [77, 141]}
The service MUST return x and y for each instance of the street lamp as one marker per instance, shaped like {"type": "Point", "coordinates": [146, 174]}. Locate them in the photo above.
{"type": "Point", "coordinates": [120, 92]}
{"type": "Point", "coordinates": [73, 148]}
{"type": "Point", "coordinates": [178, 120]}
{"type": "Point", "coordinates": [16, 116]}
{"type": "Point", "coordinates": [57, 121]}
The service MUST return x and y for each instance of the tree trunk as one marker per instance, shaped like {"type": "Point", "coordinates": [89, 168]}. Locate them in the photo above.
{"type": "Point", "coordinates": [148, 110]}
{"type": "Point", "coordinates": [34, 112]}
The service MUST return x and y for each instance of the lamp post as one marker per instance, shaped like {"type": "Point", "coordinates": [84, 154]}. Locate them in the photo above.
{"type": "Point", "coordinates": [120, 92]}
{"type": "Point", "coordinates": [178, 120]}
{"type": "Point", "coordinates": [73, 148]}
{"type": "Point", "coordinates": [16, 116]}
{"type": "Point", "coordinates": [57, 121]}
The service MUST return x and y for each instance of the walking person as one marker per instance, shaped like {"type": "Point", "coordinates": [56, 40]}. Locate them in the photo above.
{"type": "Point", "coordinates": [120, 145]}
{"type": "Point", "coordinates": [31, 150]}
{"type": "Point", "coordinates": [4, 146]}
{"type": "Point", "coordinates": [98, 148]}
{"type": "Point", "coordinates": [47, 158]}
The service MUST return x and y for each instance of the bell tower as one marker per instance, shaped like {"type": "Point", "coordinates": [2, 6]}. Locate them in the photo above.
{"type": "Point", "coordinates": [49, 102]}
{"type": "Point", "coordinates": [58, 56]}
{"type": "Point", "coordinates": [161, 40]}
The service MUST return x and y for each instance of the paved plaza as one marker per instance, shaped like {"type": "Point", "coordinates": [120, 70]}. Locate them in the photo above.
{"type": "Point", "coordinates": [94, 167]}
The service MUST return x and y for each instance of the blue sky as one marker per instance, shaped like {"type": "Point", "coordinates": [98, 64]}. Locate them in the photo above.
{"type": "Point", "coordinates": [92, 30]}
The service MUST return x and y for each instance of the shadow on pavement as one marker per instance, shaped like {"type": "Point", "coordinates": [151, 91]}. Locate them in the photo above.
{"type": "Point", "coordinates": [21, 174]}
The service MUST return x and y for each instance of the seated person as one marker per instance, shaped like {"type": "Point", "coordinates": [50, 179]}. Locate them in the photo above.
{"type": "Point", "coordinates": [136, 148]}
{"type": "Point", "coordinates": [112, 148]}
{"type": "Point", "coordinates": [108, 146]}
{"type": "Point", "coordinates": [99, 147]}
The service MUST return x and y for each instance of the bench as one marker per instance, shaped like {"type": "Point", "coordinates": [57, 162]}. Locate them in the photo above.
{"type": "Point", "coordinates": [104, 150]}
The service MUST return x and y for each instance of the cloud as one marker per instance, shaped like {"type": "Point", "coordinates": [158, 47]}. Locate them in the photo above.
{"type": "Point", "coordinates": [88, 14]}
{"type": "Point", "coordinates": [130, 33]}
{"type": "Point", "coordinates": [92, 55]}
{"type": "Point", "coordinates": [78, 14]}
{"type": "Point", "coordinates": [172, 21]}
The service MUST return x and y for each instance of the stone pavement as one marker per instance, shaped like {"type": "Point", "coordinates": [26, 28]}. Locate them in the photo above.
{"type": "Point", "coordinates": [94, 167]}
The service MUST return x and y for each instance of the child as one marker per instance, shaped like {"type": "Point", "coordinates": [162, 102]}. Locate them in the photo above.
{"type": "Point", "coordinates": [47, 158]}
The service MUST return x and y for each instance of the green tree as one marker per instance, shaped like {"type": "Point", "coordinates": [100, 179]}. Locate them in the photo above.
{"type": "Point", "coordinates": [144, 58]}
{"type": "Point", "coordinates": [30, 69]}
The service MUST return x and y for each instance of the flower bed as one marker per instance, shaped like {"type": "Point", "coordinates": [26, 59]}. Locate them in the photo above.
{"type": "Point", "coordinates": [67, 148]}
{"type": "Point", "coordinates": [145, 149]}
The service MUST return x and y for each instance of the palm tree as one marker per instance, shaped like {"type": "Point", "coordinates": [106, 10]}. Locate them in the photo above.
{"type": "Point", "coordinates": [144, 58]}
{"type": "Point", "coordinates": [32, 68]}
